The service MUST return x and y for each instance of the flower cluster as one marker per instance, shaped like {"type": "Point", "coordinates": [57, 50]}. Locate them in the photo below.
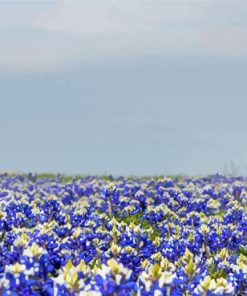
{"type": "Point", "coordinates": [123, 236]}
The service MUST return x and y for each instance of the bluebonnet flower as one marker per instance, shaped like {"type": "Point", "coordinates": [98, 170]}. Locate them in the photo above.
{"type": "Point", "coordinates": [97, 236]}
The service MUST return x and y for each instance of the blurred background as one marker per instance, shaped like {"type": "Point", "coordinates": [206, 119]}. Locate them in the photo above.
{"type": "Point", "coordinates": [123, 87]}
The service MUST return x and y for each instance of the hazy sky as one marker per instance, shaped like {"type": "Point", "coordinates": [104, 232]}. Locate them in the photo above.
{"type": "Point", "coordinates": [123, 87]}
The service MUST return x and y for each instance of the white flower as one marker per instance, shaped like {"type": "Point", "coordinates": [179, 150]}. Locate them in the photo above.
{"type": "Point", "coordinates": [16, 268]}
{"type": "Point", "coordinates": [148, 285]}
{"type": "Point", "coordinates": [4, 283]}
{"type": "Point", "coordinates": [89, 293]}
{"type": "Point", "coordinates": [118, 279]}
{"type": "Point", "coordinates": [103, 271]}
{"type": "Point", "coordinates": [218, 286]}
{"type": "Point", "coordinates": [158, 293]}
{"type": "Point", "coordinates": [212, 285]}
{"type": "Point", "coordinates": [166, 278]}
{"type": "Point", "coordinates": [34, 251]}
{"type": "Point", "coordinates": [204, 229]}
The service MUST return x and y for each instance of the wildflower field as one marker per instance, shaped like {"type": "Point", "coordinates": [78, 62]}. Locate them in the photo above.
{"type": "Point", "coordinates": [122, 236]}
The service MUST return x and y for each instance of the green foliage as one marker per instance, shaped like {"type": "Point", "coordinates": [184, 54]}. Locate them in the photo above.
{"type": "Point", "coordinates": [137, 219]}
{"type": "Point", "coordinates": [2, 236]}
{"type": "Point", "coordinates": [95, 263]}
{"type": "Point", "coordinates": [128, 219]}
{"type": "Point", "coordinates": [216, 273]}
{"type": "Point", "coordinates": [242, 250]}
{"type": "Point", "coordinates": [66, 179]}
{"type": "Point", "coordinates": [156, 233]}
{"type": "Point", "coordinates": [46, 176]}
{"type": "Point", "coordinates": [27, 223]}
{"type": "Point", "coordinates": [220, 213]}
{"type": "Point", "coordinates": [105, 177]}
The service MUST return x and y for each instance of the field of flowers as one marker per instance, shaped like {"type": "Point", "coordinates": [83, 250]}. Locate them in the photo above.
{"type": "Point", "coordinates": [122, 236]}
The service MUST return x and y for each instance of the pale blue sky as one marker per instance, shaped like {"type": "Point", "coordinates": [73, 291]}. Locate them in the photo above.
{"type": "Point", "coordinates": [124, 87]}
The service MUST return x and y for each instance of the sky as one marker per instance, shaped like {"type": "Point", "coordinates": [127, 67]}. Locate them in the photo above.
{"type": "Point", "coordinates": [123, 87]}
